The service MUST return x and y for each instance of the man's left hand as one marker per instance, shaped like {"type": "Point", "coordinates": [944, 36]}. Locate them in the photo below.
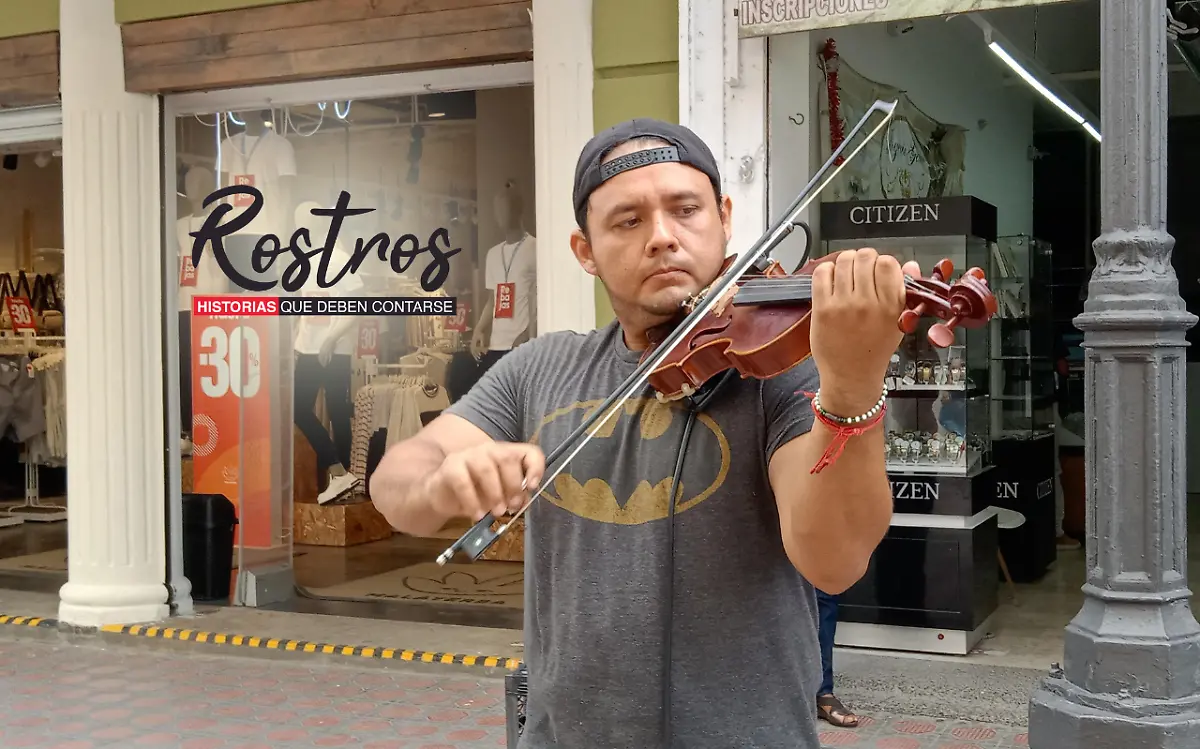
{"type": "Point", "coordinates": [857, 301]}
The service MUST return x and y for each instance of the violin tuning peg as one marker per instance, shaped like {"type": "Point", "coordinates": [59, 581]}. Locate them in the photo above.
{"type": "Point", "coordinates": [943, 270]}
{"type": "Point", "coordinates": [976, 273]}
{"type": "Point", "coordinates": [941, 335]}
{"type": "Point", "coordinates": [908, 321]}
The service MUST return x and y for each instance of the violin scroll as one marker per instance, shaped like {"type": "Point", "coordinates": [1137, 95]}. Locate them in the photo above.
{"type": "Point", "coordinates": [966, 303]}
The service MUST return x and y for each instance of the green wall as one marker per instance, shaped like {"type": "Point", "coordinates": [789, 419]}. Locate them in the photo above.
{"type": "Point", "coordinates": [635, 51]}
{"type": "Point", "coordinates": [21, 17]}
{"type": "Point", "coordinates": [131, 11]}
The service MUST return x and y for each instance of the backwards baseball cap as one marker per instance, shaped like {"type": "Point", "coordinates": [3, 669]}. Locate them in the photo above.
{"type": "Point", "coordinates": [685, 148]}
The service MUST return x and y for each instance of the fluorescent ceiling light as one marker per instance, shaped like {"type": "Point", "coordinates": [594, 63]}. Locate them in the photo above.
{"type": "Point", "coordinates": [1038, 86]}
{"type": "Point", "coordinates": [1023, 70]}
{"type": "Point", "coordinates": [437, 114]}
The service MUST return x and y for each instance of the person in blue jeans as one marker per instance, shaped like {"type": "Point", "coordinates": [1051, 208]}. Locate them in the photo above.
{"type": "Point", "coordinates": [829, 707]}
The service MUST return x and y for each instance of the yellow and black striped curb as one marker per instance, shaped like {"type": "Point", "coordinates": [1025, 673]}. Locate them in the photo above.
{"type": "Point", "coordinates": [273, 643]}
{"type": "Point", "coordinates": [28, 621]}
{"type": "Point", "coordinates": [302, 646]}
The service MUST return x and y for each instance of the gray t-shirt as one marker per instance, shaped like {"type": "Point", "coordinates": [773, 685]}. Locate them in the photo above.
{"type": "Point", "coordinates": [744, 658]}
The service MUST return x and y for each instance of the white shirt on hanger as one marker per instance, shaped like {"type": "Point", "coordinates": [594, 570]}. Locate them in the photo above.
{"type": "Point", "coordinates": [313, 329]}
{"type": "Point", "coordinates": [259, 161]}
{"type": "Point", "coordinates": [510, 272]}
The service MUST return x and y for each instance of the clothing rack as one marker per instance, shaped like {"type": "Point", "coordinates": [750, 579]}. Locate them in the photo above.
{"type": "Point", "coordinates": [32, 508]}
{"type": "Point", "coordinates": [374, 402]}
{"type": "Point", "coordinates": [401, 373]}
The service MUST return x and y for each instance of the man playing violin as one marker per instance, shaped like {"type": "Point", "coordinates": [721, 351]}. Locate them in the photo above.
{"type": "Point", "coordinates": [650, 622]}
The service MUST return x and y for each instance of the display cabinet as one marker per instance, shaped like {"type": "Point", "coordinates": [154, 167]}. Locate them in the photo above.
{"type": "Point", "coordinates": [942, 433]}
{"type": "Point", "coordinates": [933, 584]}
{"type": "Point", "coordinates": [1022, 386]}
{"type": "Point", "coordinates": [1023, 393]}
{"type": "Point", "coordinates": [938, 421]}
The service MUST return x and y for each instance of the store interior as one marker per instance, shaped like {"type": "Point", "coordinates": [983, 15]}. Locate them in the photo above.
{"type": "Point", "coordinates": [459, 163]}
{"type": "Point", "coordinates": [969, 123]}
{"type": "Point", "coordinates": [33, 502]}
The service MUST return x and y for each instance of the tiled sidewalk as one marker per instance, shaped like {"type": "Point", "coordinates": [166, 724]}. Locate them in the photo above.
{"type": "Point", "coordinates": [898, 732]}
{"type": "Point", "coordinates": [59, 696]}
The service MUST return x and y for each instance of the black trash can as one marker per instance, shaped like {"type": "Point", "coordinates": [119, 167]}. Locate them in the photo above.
{"type": "Point", "coordinates": [209, 521]}
{"type": "Point", "coordinates": [516, 689]}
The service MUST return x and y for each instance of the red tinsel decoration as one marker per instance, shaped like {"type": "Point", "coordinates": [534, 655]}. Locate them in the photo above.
{"type": "Point", "coordinates": [836, 132]}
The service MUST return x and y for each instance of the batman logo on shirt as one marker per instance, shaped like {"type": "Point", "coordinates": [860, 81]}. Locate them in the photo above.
{"type": "Point", "coordinates": [627, 483]}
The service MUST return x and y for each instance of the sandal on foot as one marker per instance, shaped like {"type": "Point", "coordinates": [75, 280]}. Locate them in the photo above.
{"type": "Point", "coordinates": [832, 711]}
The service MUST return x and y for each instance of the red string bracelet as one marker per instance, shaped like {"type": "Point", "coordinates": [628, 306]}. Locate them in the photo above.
{"type": "Point", "coordinates": [844, 428]}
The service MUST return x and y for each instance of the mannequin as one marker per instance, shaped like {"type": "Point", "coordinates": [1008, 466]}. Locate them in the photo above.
{"type": "Point", "coordinates": [264, 159]}
{"type": "Point", "coordinates": [324, 347]}
{"type": "Point", "coordinates": [509, 312]}
{"type": "Point", "coordinates": [206, 279]}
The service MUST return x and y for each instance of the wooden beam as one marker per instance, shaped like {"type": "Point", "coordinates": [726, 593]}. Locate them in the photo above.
{"type": "Point", "coordinates": [29, 70]}
{"type": "Point", "coordinates": [343, 34]}
{"type": "Point", "coordinates": [290, 16]}
{"type": "Point", "coordinates": [363, 59]}
{"type": "Point", "coordinates": [322, 39]}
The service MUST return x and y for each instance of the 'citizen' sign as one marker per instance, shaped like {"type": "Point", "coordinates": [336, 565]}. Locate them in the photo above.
{"type": "Point", "coordinates": [920, 490]}
{"type": "Point", "coordinates": [955, 216]}
{"type": "Point", "coordinates": [894, 214]}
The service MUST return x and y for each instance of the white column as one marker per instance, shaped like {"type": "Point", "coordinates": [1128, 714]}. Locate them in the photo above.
{"type": "Point", "coordinates": [723, 98]}
{"type": "Point", "coordinates": [562, 114]}
{"type": "Point", "coordinates": [111, 200]}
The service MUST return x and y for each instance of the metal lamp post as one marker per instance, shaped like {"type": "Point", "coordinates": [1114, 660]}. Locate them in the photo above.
{"type": "Point", "coordinates": [1131, 672]}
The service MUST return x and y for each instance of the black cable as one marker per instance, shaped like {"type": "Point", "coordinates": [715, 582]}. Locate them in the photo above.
{"type": "Point", "coordinates": [695, 406]}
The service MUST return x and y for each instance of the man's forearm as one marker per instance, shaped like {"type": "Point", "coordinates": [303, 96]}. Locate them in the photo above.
{"type": "Point", "coordinates": [833, 520]}
{"type": "Point", "coordinates": [396, 486]}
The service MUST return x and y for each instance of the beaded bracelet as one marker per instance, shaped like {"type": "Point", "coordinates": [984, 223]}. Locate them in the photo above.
{"type": "Point", "coordinates": [870, 415]}
{"type": "Point", "coordinates": [845, 428]}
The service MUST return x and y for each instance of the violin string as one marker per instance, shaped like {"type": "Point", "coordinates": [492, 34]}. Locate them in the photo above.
{"type": "Point", "coordinates": [799, 284]}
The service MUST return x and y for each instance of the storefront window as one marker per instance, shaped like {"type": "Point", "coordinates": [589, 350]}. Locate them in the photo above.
{"type": "Point", "coordinates": [434, 200]}
{"type": "Point", "coordinates": [33, 441]}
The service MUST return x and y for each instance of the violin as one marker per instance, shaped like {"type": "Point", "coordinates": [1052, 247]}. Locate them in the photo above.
{"type": "Point", "coordinates": [760, 326]}
{"type": "Point", "coordinates": [754, 318]}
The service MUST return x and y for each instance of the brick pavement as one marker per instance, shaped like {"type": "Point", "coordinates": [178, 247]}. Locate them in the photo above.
{"type": "Point", "coordinates": [87, 696]}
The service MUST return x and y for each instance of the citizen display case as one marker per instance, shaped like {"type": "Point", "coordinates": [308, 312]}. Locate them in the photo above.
{"type": "Point", "coordinates": [933, 581]}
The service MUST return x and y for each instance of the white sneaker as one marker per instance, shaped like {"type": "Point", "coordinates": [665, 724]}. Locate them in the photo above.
{"type": "Point", "coordinates": [338, 485]}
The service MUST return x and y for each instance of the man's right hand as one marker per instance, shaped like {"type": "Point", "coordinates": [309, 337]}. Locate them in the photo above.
{"type": "Point", "coordinates": [494, 477]}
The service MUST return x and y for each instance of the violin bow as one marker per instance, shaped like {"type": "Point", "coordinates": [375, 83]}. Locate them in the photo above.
{"type": "Point", "coordinates": [480, 537]}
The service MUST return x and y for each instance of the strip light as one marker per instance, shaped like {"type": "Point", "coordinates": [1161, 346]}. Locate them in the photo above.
{"type": "Point", "coordinates": [1022, 70]}
{"type": "Point", "coordinates": [1049, 95]}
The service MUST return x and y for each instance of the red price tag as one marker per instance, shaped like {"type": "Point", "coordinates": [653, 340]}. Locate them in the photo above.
{"type": "Point", "coordinates": [242, 200]}
{"type": "Point", "coordinates": [505, 294]}
{"type": "Point", "coordinates": [187, 271]}
{"type": "Point", "coordinates": [368, 338]}
{"type": "Point", "coordinates": [20, 311]}
{"type": "Point", "coordinates": [458, 322]}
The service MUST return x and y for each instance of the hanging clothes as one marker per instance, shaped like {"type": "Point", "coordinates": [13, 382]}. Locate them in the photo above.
{"type": "Point", "coordinates": [50, 371]}
{"type": "Point", "coordinates": [21, 407]}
